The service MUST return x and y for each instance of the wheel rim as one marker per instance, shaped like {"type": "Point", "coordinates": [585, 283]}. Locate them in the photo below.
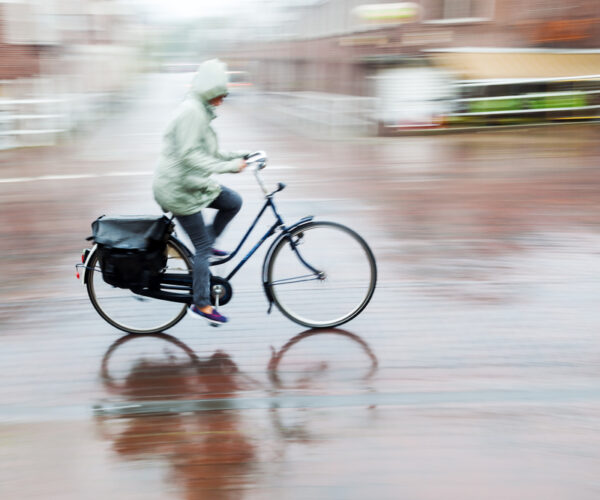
{"type": "Point", "coordinates": [131, 312]}
{"type": "Point", "coordinates": [346, 286]}
{"type": "Point", "coordinates": [159, 352]}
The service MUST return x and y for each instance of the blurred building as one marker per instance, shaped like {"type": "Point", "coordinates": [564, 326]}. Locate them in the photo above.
{"type": "Point", "coordinates": [61, 61]}
{"type": "Point", "coordinates": [433, 61]}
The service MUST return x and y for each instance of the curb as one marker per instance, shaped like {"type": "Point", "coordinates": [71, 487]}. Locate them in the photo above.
{"type": "Point", "coordinates": [482, 128]}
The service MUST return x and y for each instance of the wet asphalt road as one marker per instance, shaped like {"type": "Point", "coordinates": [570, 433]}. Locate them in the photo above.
{"type": "Point", "coordinates": [474, 372]}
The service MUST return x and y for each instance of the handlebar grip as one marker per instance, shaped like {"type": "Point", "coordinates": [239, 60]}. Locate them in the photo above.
{"type": "Point", "coordinates": [255, 153]}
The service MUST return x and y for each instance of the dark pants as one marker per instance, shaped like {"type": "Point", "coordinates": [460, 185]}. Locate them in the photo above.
{"type": "Point", "coordinates": [228, 204]}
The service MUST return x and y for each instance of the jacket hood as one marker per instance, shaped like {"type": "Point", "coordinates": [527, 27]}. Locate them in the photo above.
{"type": "Point", "coordinates": [210, 80]}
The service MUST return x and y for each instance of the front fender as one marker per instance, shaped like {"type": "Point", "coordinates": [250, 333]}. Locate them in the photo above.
{"type": "Point", "coordinates": [265, 279]}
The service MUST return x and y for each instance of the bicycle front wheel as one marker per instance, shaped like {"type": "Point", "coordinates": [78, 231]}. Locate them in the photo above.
{"type": "Point", "coordinates": [322, 275]}
{"type": "Point", "coordinates": [135, 313]}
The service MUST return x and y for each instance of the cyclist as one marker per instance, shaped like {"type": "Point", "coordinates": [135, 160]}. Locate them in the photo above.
{"type": "Point", "coordinates": [184, 183]}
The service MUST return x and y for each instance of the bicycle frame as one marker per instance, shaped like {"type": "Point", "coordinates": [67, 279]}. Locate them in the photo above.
{"type": "Point", "coordinates": [285, 262]}
{"type": "Point", "coordinates": [182, 282]}
{"type": "Point", "coordinates": [278, 224]}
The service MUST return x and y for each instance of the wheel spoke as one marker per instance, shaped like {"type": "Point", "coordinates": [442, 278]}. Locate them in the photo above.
{"type": "Point", "coordinates": [297, 279]}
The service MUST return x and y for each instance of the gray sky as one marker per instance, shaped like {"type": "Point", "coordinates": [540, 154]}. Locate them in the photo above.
{"type": "Point", "coordinates": [182, 9]}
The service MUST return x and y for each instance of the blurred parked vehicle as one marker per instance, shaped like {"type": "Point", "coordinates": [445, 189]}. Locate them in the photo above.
{"type": "Point", "coordinates": [239, 82]}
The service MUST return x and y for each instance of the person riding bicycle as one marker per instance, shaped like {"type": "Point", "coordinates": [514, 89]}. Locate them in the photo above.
{"type": "Point", "coordinates": [184, 184]}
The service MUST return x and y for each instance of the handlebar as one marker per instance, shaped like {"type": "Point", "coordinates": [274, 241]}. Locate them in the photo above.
{"type": "Point", "coordinates": [260, 181]}
{"type": "Point", "coordinates": [258, 160]}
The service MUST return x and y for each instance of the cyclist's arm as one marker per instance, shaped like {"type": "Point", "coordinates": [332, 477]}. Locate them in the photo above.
{"type": "Point", "coordinates": [189, 131]}
{"type": "Point", "coordinates": [232, 155]}
{"type": "Point", "coordinates": [212, 165]}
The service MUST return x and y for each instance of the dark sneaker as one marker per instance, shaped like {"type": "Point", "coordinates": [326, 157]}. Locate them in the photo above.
{"type": "Point", "coordinates": [215, 252]}
{"type": "Point", "coordinates": [214, 318]}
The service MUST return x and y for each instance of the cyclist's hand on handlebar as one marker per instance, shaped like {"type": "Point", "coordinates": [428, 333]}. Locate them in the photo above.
{"type": "Point", "coordinates": [242, 166]}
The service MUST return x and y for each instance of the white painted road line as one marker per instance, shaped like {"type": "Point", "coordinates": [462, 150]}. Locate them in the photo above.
{"type": "Point", "coordinates": [69, 177]}
{"type": "Point", "coordinates": [65, 177]}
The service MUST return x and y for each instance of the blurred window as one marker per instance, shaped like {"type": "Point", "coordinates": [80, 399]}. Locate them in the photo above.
{"type": "Point", "coordinates": [458, 10]}
{"type": "Point", "coordinates": [330, 17]}
{"type": "Point", "coordinates": [29, 23]}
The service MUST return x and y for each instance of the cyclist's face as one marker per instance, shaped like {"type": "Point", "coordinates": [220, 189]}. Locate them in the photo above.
{"type": "Point", "coordinates": [217, 101]}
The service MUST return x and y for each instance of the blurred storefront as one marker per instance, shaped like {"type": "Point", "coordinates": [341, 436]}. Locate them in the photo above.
{"type": "Point", "coordinates": [422, 61]}
{"type": "Point", "coordinates": [61, 62]}
{"type": "Point", "coordinates": [522, 85]}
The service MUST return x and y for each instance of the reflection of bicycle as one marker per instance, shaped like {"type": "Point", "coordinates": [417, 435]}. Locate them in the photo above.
{"type": "Point", "coordinates": [160, 369]}
{"type": "Point", "coordinates": [167, 404]}
{"type": "Point", "coordinates": [277, 356]}
{"type": "Point", "coordinates": [156, 366]}
{"type": "Point", "coordinates": [319, 274]}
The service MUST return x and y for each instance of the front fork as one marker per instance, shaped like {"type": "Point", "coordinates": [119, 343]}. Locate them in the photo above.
{"type": "Point", "coordinates": [285, 234]}
{"type": "Point", "coordinates": [294, 245]}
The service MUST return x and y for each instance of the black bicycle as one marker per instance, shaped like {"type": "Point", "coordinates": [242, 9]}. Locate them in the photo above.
{"type": "Point", "coordinates": [319, 274]}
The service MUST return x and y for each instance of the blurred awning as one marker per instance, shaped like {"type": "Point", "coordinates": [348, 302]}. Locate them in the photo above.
{"type": "Point", "coordinates": [497, 64]}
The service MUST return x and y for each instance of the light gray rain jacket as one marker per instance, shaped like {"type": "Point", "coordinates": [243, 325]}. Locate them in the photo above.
{"type": "Point", "coordinates": [183, 181]}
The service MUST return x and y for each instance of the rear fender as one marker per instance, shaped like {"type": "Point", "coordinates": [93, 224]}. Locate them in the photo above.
{"type": "Point", "coordinates": [86, 267]}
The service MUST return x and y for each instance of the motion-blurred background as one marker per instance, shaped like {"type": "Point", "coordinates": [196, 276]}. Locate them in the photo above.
{"type": "Point", "coordinates": [330, 66]}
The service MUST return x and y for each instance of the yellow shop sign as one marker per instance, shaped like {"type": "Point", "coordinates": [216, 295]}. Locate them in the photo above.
{"type": "Point", "coordinates": [387, 13]}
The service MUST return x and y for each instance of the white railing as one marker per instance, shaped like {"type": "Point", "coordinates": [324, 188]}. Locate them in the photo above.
{"type": "Point", "coordinates": [26, 122]}
{"type": "Point", "coordinates": [43, 121]}
{"type": "Point", "coordinates": [322, 114]}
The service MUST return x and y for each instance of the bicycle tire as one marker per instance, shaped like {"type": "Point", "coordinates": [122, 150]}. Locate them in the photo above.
{"type": "Point", "coordinates": [133, 313]}
{"type": "Point", "coordinates": [303, 298]}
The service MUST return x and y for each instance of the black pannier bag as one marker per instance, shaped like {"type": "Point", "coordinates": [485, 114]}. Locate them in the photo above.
{"type": "Point", "coordinates": [132, 249]}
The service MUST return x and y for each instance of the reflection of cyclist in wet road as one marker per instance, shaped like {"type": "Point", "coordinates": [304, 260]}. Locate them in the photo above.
{"type": "Point", "coordinates": [217, 453]}
{"type": "Point", "coordinates": [184, 183]}
{"type": "Point", "coordinates": [208, 452]}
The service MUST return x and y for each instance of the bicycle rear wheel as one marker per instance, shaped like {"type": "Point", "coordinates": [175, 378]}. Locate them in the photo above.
{"type": "Point", "coordinates": [340, 289]}
{"type": "Point", "coordinates": [134, 313]}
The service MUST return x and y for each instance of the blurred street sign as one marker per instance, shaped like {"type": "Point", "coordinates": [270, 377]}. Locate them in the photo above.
{"type": "Point", "coordinates": [387, 13]}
